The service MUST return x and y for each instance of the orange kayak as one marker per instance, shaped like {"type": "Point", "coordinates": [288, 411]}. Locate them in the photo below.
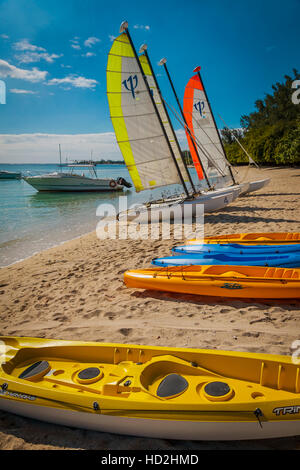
{"type": "Point", "coordinates": [221, 281]}
{"type": "Point", "coordinates": [259, 238]}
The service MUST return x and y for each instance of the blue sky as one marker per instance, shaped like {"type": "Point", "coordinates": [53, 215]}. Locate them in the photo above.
{"type": "Point", "coordinates": [53, 56]}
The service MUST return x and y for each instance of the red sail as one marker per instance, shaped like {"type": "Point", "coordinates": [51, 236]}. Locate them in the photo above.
{"type": "Point", "coordinates": [188, 102]}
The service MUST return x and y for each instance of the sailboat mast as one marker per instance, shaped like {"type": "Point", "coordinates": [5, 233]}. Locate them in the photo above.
{"type": "Point", "coordinates": [197, 69]}
{"type": "Point", "coordinates": [59, 156]}
{"type": "Point", "coordinates": [124, 27]}
{"type": "Point", "coordinates": [163, 62]}
{"type": "Point", "coordinates": [168, 117]}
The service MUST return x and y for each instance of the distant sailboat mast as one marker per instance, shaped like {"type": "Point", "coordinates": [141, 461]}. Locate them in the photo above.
{"type": "Point", "coordinates": [60, 164]}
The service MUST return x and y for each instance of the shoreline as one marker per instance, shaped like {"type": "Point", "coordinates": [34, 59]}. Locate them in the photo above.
{"type": "Point", "coordinates": [75, 290]}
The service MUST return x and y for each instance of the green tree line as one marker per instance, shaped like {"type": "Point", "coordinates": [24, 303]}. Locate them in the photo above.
{"type": "Point", "coordinates": [270, 134]}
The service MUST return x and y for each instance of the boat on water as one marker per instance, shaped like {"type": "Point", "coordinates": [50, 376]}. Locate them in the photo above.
{"type": "Point", "coordinates": [10, 175]}
{"type": "Point", "coordinates": [251, 282]}
{"type": "Point", "coordinates": [71, 181]}
{"type": "Point", "coordinates": [146, 136]}
{"type": "Point", "coordinates": [255, 238]}
{"type": "Point", "coordinates": [159, 392]}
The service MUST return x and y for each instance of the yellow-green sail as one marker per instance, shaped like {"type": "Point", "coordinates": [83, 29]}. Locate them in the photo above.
{"type": "Point", "coordinates": [137, 127]}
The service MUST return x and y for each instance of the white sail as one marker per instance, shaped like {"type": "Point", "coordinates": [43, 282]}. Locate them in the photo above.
{"type": "Point", "coordinates": [138, 129]}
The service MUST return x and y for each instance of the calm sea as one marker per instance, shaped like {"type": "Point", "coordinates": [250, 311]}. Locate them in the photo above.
{"type": "Point", "coordinates": [31, 221]}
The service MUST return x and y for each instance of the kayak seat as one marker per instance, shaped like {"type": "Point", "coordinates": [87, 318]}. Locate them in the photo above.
{"type": "Point", "coordinates": [89, 375]}
{"type": "Point", "coordinates": [35, 371]}
{"type": "Point", "coordinates": [171, 386]}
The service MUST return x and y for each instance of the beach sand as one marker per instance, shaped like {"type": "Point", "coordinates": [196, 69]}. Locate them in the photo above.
{"type": "Point", "coordinates": [76, 291]}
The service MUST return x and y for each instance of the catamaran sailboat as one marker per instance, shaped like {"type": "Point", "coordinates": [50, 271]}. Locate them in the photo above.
{"type": "Point", "coordinates": [70, 181]}
{"type": "Point", "coordinates": [146, 136]}
{"type": "Point", "coordinates": [203, 136]}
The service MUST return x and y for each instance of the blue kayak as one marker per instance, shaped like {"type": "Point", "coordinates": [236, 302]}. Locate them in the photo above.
{"type": "Point", "coordinates": [236, 249]}
{"type": "Point", "coordinates": [288, 260]}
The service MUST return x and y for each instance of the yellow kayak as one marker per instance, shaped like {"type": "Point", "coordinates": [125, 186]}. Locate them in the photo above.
{"type": "Point", "coordinates": [256, 282]}
{"type": "Point", "coordinates": [151, 391]}
{"type": "Point", "coordinates": [259, 238]}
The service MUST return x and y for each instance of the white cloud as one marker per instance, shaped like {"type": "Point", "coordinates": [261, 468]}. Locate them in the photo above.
{"type": "Point", "coordinates": [75, 46]}
{"type": "Point", "coordinates": [33, 75]}
{"type": "Point", "coordinates": [22, 92]}
{"type": "Point", "coordinates": [25, 45]}
{"type": "Point", "coordinates": [43, 148]}
{"type": "Point", "coordinates": [141, 26]}
{"type": "Point", "coordinates": [29, 56]}
{"type": "Point", "coordinates": [75, 81]}
{"type": "Point", "coordinates": [4, 36]}
{"type": "Point", "coordinates": [88, 54]}
{"type": "Point", "coordinates": [91, 41]}
{"type": "Point", "coordinates": [111, 37]}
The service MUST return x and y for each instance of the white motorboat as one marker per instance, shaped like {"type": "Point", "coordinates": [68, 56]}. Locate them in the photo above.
{"type": "Point", "coordinates": [10, 175]}
{"type": "Point", "coordinates": [62, 181]}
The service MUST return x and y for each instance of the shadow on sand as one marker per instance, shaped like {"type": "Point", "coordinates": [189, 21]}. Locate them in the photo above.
{"type": "Point", "coordinates": [205, 300]}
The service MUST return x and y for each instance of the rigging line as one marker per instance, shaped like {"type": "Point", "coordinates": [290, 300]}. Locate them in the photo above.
{"type": "Point", "coordinates": [214, 143]}
{"type": "Point", "coordinates": [195, 140]}
{"type": "Point", "coordinates": [156, 86]}
{"type": "Point", "coordinates": [175, 162]}
{"type": "Point", "coordinates": [237, 140]}
{"type": "Point", "coordinates": [223, 156]}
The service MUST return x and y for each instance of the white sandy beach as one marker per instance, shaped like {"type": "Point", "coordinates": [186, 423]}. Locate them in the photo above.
{"type": "Point", "coordinates": [76, 291]}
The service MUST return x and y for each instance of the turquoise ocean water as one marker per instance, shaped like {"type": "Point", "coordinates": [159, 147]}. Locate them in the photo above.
{"type": "Point", "coordinates": [31, 221]}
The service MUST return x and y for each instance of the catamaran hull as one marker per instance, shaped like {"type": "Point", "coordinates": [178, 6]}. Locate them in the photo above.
{"type": "Point", "coordinates": [72, 183]}
{"type": "Point", "coordinates": [174, 209]}
{"type": "Point", "coordinates": [155, 428]}
{"type": "Point", "coordinates": [256, 185]}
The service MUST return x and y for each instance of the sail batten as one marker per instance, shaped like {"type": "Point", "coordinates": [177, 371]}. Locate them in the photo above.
{"type": "Point", "coordinates": [139, 132]}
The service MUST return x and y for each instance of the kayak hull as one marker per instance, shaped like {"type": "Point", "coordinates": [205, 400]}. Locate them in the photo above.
{"type": "Point", "coordinates": [285, 260]}
{"type": "Point", "coordinates": [151, 391]}
{"type": "Point", "coordinates": [154, 428]}
{"type": "Point", "coordinates": [219, 281]}
{"type": "Point", "coordinates": [236, 249]}
{"type": "Point", "coordinates": [257, 238]}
